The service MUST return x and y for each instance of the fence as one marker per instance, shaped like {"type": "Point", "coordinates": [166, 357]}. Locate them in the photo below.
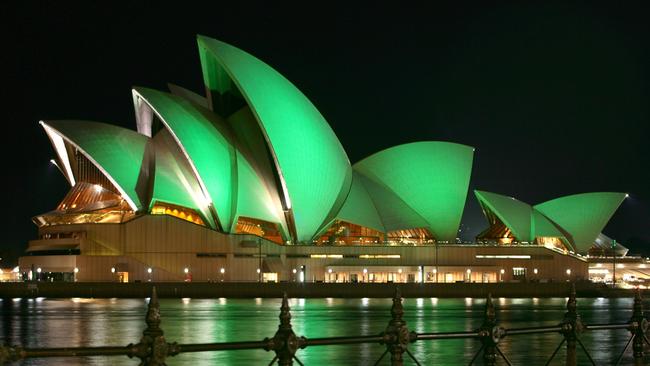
{"type": "Point", "coordinates": [153, 349]}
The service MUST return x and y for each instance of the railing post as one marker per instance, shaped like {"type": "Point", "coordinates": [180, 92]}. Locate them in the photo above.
{"type": "Point", "coordinates": [153, 349]}
{"type": "Point", "coordinates": [490, 333]}
{"type": "Point", "coordinates": [571, 327]}
{"type": "Point", "coordinates": [285, 343]}
{"type": "Point", "coordinates": [396, 337]}
{"type": "Point", "coordinates": [638, 327]}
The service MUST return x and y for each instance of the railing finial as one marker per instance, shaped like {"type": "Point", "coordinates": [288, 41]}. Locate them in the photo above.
{"type": "Point", "coordinates": [285, 343]}
{"type": "Point", "coordinates": [490, 333]}
{"type": "Point", "coordinates": [397, 310]}
{"type": "Point", "coordinates": [638, 327]}
{"type": "Point", "coordinates": [571, 326]}
{"type": "Point", "coordinates": [396, 337]}
{"type": "Point", "coordinates": [153, 349]}
{"type": "Point", "coordinates": [285, 313]}
{"type": "Point", "coordinates": [490, 313]}
{"type": "Point", "coordinates": [153, 316]}
{"type": "Point", "coordinates": [572, 302]}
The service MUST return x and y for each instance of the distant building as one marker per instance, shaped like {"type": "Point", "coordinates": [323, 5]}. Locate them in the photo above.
{"type": "Point", "coordinates": [250, 183]}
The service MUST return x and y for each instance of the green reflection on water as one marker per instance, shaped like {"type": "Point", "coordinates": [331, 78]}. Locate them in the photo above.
{"type": "Point", "coordinates": [94, 322]}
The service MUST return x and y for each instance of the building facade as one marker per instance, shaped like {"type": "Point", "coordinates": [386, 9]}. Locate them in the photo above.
{"type": "Point", "coordinates": [250, 183]}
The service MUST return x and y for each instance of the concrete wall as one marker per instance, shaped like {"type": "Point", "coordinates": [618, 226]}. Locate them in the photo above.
{"type": "Point", "coordinates": [169, 245]}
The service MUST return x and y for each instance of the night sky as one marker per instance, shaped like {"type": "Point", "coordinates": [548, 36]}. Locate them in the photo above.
{"type": "Point", "coordinates": [555, 97]}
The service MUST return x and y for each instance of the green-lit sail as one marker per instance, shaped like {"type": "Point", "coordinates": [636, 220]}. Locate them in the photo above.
{"type": "Point", "coordinates": [582, 215]}
{"type": "Point", "coordinates": [525, 223]}
{"type": "Point", "coordinates": [431, 178]}
{"type": "Point", "coordinates": [313, 169]}
{"type": "Point", "coordinates": [117, 152]}
{"type": "Point", "coordinates": [359, 208]}
{"type": "Point", "coordinates": [543, 227]}
{"type": "Point", "coordinates": [516, 215]}
{"type": "Point", "coordinates": [208, 149]}
{"type": "Point", "coordinates": [173, 180]}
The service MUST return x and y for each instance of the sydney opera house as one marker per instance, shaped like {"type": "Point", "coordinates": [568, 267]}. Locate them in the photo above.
{"type": "Point", "coordinates": [250, 183]}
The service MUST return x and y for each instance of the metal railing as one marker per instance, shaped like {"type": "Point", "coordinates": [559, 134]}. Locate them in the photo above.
{"type": "Point", "coordinates": [153, 349]}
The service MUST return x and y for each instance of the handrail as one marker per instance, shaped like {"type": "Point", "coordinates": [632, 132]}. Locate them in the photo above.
{"type": "Point", "coordinates": [153, 348]}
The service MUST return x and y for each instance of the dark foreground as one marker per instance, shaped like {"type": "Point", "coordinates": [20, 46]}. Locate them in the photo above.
{"type": "Point", "coordinates": [303, 290]}
{"type": "Point", "coordinates": [195, 323]}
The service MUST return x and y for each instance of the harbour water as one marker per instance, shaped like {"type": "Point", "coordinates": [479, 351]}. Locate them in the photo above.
{"type": "Point", "coordinates": [45, 322]}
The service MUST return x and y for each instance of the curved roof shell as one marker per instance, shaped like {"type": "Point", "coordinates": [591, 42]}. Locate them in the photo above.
{"type": "Point", "coordinates": [577, 219]}
{"type": "Point", "coordinates": [265, 152]}
{"type": "Point", "coordinates": [207, 148]}
{"type": "Point", "coordinates": [525, 223]}
{"type": "Point", "coordinates": [173, 180]}
{"type": "Point", "coordinates": [313, 169]}
{"type": "Point", "coordinates": [516, 215]}
{"type": "Point", "coordinates": [359, 207]}
{"type": "Point", "coordinates": [431, 178]}
{"type": "Point", "coordinates": [582, 215]}
{"type": "Point", "coordinates": [230, 178]}
{"type": "Point", "coordinates": [117, 152]}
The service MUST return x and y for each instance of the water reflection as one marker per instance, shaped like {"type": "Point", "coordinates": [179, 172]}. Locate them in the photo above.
{"type": "Point", "coordinates": [86, 322]}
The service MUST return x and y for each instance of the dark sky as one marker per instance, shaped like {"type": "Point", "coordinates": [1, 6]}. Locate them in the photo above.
{"type": "Point", "coordinates": [554, 96]}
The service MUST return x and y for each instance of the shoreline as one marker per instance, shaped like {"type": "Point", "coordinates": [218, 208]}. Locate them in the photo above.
{"type": "Point", "coordinates": [303, 290]}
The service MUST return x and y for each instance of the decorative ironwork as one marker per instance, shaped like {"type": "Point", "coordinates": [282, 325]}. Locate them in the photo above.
{"type": "Point", "coordinates": [153, 348]}
{"type": "Point", "coordinates": [396, 337]}
{"type": "Point", "coordinates": [285, 343]}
